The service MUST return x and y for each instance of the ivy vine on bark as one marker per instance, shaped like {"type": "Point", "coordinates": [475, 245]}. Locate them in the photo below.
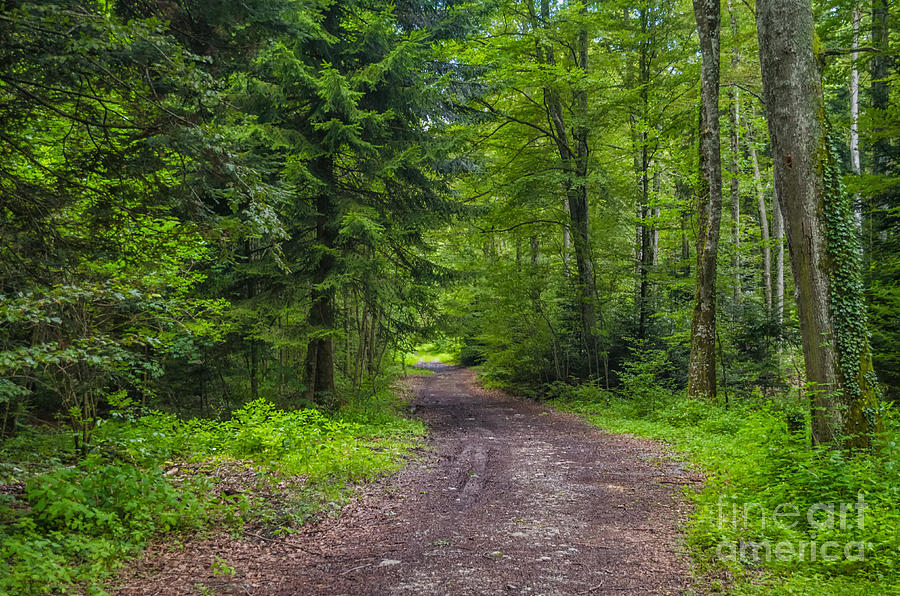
{"type": "Point", "coordinates": [848, 310]}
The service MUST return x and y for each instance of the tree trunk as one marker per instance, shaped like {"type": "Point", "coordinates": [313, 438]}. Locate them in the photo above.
{"type": "Point", "coordinates": [583, 253]}
{"type": "Point", "coordinates": [646, 258]}
{"type": "Point", "coordinates": [575, 156]}
{"type": "Point", "coordinates": [655, 212]}
{"type": "Point", "coordinates": [252, 343]}
{"type": "Point", "coordinates": [684, 192]}
{"type": "Point", "coordinates": [854, 113]}
{"type": "Point", "coordinates": [638, 247]}
{"type": "Point", "coordinates": [702, 367]}
{"type": "Point", "coordinates": [765, 243]}
{"type": "Point", "coordinates": [319, 368]}
{"type": "Point", "coordinates": [778, 232]}
{"type": "Point", "coordinates": [881, 70]}
{"type": "Point", "coordinates": [832, 316]}
{"type": "Point", "coordinates": [734, 100]}
{"type": "Point", "coordinates": [884, 219]}
{"type": "Point", "coordinates": [566, 241]}
{"type": "Point", "coordinates": [643, 160]}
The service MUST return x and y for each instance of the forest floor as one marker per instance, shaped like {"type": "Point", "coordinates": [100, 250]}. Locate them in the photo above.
{"type": "Point", "coordinates": [512, 497]}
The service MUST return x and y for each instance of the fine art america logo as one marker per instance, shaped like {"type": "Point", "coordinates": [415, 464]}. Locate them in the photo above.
{"type": "Point", "coordinates": [825, 518]}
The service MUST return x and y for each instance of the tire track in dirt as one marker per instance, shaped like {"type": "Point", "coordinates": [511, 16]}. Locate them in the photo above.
{"type": "Point", "coordinates": [514, 498]}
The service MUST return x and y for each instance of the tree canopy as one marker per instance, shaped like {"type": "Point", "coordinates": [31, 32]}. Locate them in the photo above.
{"type": "Point", "coordinates": [204, 203]}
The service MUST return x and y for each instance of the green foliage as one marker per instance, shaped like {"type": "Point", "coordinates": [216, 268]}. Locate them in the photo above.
{"type": "Point", "coordinates": [74, 524]}
{"type": "Point", "coordinates": [848, 310]}
{"type": "Point", "coordinates": [640, 378]}
{"type": "Point", "coordinates": [306, 442]}
{"type": "Point", "coordinates": [750, 457]}
{"type": "Point", "coordinates": [194, 193]}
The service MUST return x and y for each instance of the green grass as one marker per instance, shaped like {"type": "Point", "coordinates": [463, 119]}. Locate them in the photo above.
{"type": "Point", "coordinates": [432, 352]}
{"type": "Point", "coordinates": [80, 519]}
{"type": "Point", "coordinates": [752, 461]}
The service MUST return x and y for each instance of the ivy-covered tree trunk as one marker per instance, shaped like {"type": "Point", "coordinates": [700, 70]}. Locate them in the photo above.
{"type": "Point", "coordinates": [702, 367]}
{"type": "Point", "coordinates": [821, 238]}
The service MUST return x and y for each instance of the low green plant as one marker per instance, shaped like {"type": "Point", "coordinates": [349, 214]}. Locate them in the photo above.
{"type": "Point", "coordinates": [77, 520]}
{"type": "Point", "coordinates": [444, 352]}
{"type": "Point", "coordinates": [75, 523]}
{"type": "Point", "coordinates": [754, 459]}
{"type": "Point", "coordinates": [221, 567]}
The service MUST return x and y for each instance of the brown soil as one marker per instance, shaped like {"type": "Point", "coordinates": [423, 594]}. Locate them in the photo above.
{"type": "Point", "coordinates": [513, 498]}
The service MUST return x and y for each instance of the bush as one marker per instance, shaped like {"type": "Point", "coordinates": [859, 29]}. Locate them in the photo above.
{"type": "Point", "coordinates": [77, 521]}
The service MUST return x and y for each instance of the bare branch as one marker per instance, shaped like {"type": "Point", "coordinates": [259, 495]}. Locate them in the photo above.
{"type": "Point", "coordinates": [519, 225]}
{"type": "Point", "coordinates": [845, 51]}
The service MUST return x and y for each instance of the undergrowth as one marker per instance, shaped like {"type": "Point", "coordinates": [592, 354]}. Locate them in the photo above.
{"type": "Point", "coordinates": [768, 494]}
{"type": "Point", "coordinates": [443, 352]}
{"type": "Point", "coordinates": [78, 519]}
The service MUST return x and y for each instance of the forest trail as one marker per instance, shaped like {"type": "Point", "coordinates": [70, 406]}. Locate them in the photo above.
{"type": "Point", "coordinates": [514, 498]}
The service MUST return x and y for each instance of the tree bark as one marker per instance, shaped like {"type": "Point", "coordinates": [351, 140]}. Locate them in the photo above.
{"type": "Point", "coordinates": [575, 156]}
{"type": "Point", "coordinates": [655, 212]}
{"type": "Point", "coordinates": [854, 113]}
{"type": "Point", "coordinates": [842, 399]}
{"type": "Point", "coordinates": [646, 257]}
{"type": "Point", "coordinates": [684, 193]}
{"type": "Point", "coordinates": [319, 366]}
{"type": "Point", "coordinates": [566, 241]}
{"type": "Point", "coordinates": [778, 232]}
{"type": "Point", "coordinates": [881, 70]}
{"type": "Point", "coordinates": [702, 367]}
{"type": "Point", "coordinates": [643, 160]}
{"type": "Point", "coordinates": [252, 343]}
{"type": "Point", "coordinates": [883, 206]}
{"type": "Point", "coordinates": [765, 242]}
{"type": "Point", "coordinates": [734, 100]}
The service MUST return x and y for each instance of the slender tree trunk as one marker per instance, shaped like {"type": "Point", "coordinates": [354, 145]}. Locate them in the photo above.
{"type": "Point", "coordinates": [254, 369]}
{"type": "Point", "coordinates": [638, 249]}
{"type": "Point", "coordinates": [734, 100]}
{"type": "Point", "coordinates": [583, 253]}
{"type": "Point", "coordinates": [854, 112]}
{"type": "Point", "coordinates": [642, 159]}
{"type": "Point", "coordinates": [566, 240]}
{"type": "Point", "coordinates": [778, 232]}
{"type": "Point", "coordinates": [881, 70]}
{"type": "Point", "coordinates": [765, 245]}
{"type": "Point", "coordinates": [835, 343]}
{"type": "Point", "coordinates": [654, 217]}
{"type": "Point", "coordinates": [252, 343]}
{"type": "Point", "coordinates": [518, 255]}
{"type": "Point", "coordinates": [575, 155]}
{"type": "Point", "coordinates": [319, 366]}
{"type": "Point", "coordinates": [646, 253]}
{"type": "Point", "coordinates": [883, 207]}
{"type": "Point", "coordinates": [684, 192]}
{"type": "Point", "coordinates": [702, 367]}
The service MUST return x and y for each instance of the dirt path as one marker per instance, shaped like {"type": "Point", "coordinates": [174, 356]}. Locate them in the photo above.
{"type": "Point", "coordinates": [514, 499]}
